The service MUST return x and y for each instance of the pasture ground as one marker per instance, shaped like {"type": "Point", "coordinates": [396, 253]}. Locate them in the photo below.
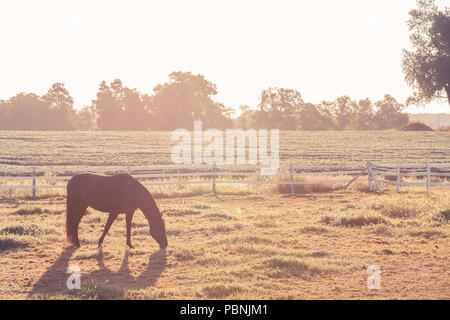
{"type": "Point", "coordinates": [261, 245]}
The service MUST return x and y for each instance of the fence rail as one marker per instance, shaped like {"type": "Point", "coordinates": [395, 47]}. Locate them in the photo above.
{"type": "Point", "coordinates": [237, 174]}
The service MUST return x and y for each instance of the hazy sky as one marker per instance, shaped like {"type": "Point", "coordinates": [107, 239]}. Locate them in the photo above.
{"type": "Point", "coordinates": [323, 48]}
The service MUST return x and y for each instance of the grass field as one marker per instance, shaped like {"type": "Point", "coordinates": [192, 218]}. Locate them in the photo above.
{"type": "Point", "coordinates": [247, 243]}
{"type": "Point", "coordinates": [151, 148]}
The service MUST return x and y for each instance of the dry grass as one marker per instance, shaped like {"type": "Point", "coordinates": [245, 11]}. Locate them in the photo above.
{"type": "Point", "coordinates": [249, 242]}
{"type": "Point", "coordinates": [220, 291]}
{"type": "Point", "coordinates": [28, 211]}
{"type": "Point", "coordinates": [353, 219]}
{"type": "Point", "coordinates": [309, 188]}
{"type": "Point", "coordinates": [10, 243]}
{"type": "Point", "coordinates": [237, 247]}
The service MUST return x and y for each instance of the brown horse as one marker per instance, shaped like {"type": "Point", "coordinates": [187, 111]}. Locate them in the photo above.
{"type": "Point", "coordinates": [114, 194]}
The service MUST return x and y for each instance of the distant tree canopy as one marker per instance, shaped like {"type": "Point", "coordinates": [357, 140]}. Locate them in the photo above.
{"type": "Point", "coordinates": [285, 109]}
{"type": "Point", "coordinates": [427, 65]}
{"type": "Point", "coordinates": [120, 108]}
{"type": "Point", "coordinates": [187, 97]}
{"type": "Point", "coordinates": [175, 104]}
{"type": "Point", "coordinates": [28, 111]}
{"type": "Point", "coordinates": [60, 103]}
{"type": "Point", "coordinates": [280, 108]}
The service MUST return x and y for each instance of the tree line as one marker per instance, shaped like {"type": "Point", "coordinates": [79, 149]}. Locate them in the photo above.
{"type": "Point", "coordinates": [285, 109]}
{"type": "Point", "coordinates": [187, 97]}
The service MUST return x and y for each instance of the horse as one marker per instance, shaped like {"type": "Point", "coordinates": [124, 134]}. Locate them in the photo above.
{"type": "Point", "coordinates": [116, 194]}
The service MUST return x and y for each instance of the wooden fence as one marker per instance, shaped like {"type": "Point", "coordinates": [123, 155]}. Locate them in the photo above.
{"type": "Point", "coordinates": [426, 171]}
{"type": "Point", "coordinates": [217, 174]}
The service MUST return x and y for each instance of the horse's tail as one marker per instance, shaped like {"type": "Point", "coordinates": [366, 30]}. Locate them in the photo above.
{"type": "Point", "coordinates": [70, 232]}
{"type": "Point", "coordinates": [71, 218]}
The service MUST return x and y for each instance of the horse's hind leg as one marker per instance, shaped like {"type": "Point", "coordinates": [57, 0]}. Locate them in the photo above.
{"type": "Point", "coordinates": [129, 218]}
{"type": "Point", "coordinates": [74, 213]}
{"type": "Point", "coordinates": [81, 211]}
{"type": "Point", "coordinates": [111, 218]}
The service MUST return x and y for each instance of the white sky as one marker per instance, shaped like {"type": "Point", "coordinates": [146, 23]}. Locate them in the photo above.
{"type": "Point", "coordinates": [323, 48]}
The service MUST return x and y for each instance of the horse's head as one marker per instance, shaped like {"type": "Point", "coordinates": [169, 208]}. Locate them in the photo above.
{"type": "Point", "coordinates": [158, 232]}
{"type": "Point", "coordinates": [155, 220]}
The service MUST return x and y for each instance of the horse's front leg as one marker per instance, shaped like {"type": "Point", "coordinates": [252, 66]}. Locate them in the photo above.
{"type": "Point", "coordinates": [129, 218]}
{"type": "Point", "coordinates": [111, 218]}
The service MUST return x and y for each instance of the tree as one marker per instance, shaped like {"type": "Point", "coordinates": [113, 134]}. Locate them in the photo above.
{"type": "Point", "coordinates": [246, 119]}
{"type": "Point", "coordinates": [28, 111]}
{"type": "Point", "coordinates": [343, 111]}
{"type": "Point", "coordinates": [85, 119]}
{"type": "Point", "coordinates": [389, 113]}
{"type": "Point", "coordinates": [363, 118]}
{"type": "Point", "coordinates": [328, 122]}
{"type": "Point", "coordinates": [427, 66]}
{"type": "Point", "coordinates": [120, 108]}
{"type": "Point", "coordinates": [4, 106]}
{"type": "Point", "coordinates": [136, 110]}
{"type": "Point", "coordinates": [60, 104]}
{"type": "Point", "coordinates": [281, 108]}
{"type": "Point", "coordinates": [185, 98]}
{"type": "Point", "coordinates": [107, 106]}
{"type": "Point", "coordinates": [311, 118]}
{"type": "Point", "coordinates": [25, 111]}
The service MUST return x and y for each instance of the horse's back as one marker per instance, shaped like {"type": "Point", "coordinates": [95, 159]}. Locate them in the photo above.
{"type": "Point", "coordinates": [104, 193]}
{"type": "Point", "coordinates": [84, 179]}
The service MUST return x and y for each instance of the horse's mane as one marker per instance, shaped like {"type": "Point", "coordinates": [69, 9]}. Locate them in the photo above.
{"type": "Point", "coordinates": [148, 202]}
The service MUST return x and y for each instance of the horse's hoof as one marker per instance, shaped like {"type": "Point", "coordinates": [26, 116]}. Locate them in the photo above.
{"type": "Point", "coordinates": [130, 246]}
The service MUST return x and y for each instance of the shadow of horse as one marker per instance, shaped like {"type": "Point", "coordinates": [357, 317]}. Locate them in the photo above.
{"type": "Point", "coordinates": [155, 266]}
{"type": "Point", "coordinates": [54, 280]}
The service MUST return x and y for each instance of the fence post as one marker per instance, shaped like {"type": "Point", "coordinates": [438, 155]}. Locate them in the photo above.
{"type": "Point", "coordinates": [398, 178]}
{"type": "Point", "coordinates": [369, 176]}
{"type": "Point", "coordinates": [428, 180]}
{"type": "Point", "coordinates": [214, 179]}
{"type": "Point", "coordinates": [374, 178]}
{"type": "Point", "coordinates": [292, 178]}
{"type": "Point", "coordinates": [34, 184]}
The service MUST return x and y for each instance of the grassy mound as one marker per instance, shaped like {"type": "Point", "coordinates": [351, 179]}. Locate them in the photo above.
{"type": "Point", "coordinates": [416, 126]}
